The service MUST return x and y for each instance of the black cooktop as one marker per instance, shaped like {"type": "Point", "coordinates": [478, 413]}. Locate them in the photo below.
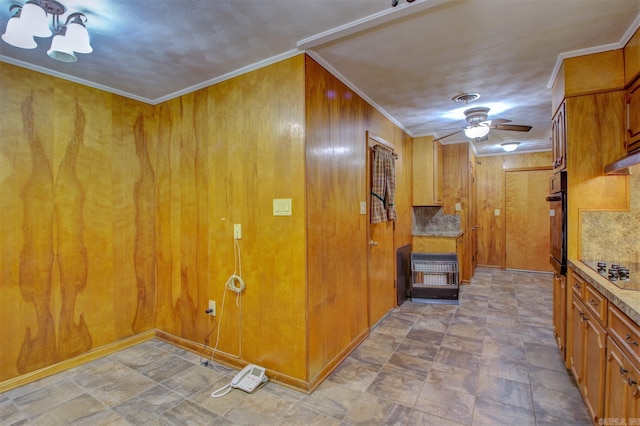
{"type": "Point", "coordinates": [615, 272]}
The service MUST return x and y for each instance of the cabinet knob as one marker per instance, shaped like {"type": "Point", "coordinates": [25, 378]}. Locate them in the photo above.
{"type": "Point", "coordinates": [626, 339]}
{"type": "Point", "coordinates": [631, 382]}
{"type": "Point", "coordinates": [623, 371]}
{"type": "Point", "coordinates": [592, 302]}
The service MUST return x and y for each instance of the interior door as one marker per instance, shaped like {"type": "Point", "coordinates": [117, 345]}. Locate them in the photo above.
{"type": "Point", "coordinates": [381, 265]}
{"type": "Point", "coordinates": [473, 221]}
{"type": "Point", "coordinates": [527, 220]}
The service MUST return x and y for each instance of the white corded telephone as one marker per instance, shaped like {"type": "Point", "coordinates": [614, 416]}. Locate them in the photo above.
{"type": "Point", "coordinates": [247, 380]}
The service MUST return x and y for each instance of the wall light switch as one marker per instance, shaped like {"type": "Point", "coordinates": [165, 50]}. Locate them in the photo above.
{"type": "Point", "coordinates": [237, 231]}
{"type": "Point", "coordinates": [363, 207]}
{"type": "Point", "coordinates": [458, 207]}
{"type": "Point", "coordinates": [282, 207]}
{"type": "Point", "coordinates": [497, 212]}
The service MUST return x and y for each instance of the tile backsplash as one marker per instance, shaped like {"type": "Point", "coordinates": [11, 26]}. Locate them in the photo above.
{"type": "Point", "coordinates": [613, 236]}
{"type": "Point", "coordinates": [428, 219]}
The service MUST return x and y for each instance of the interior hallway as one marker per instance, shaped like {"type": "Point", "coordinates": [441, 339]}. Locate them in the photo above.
{"type": "Point", "coordinates": [491, 360]}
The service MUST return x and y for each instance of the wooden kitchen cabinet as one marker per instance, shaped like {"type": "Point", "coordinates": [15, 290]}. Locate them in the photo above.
{"type": "Point", "coordinates": [588, 344]}
{"type": "Point", "coordinates": [594, 364]}
{"type": "Point", "coordinates": [559, 138]}
{"type": "Point", "coordinates": [622, 392]}
{"type": "Point", "coordinates": [589, 91]}
{"type": "Point", "coordinates": [576, 313]}
{"type": "Point", "coordinates": [560, 312]}
{"type": "Point", "coordinates": [633, 117]}
{"type": "Point", "coordinates": [437, 244]}
{"type": "Point", "coordinates": [632, 58]}
{"type": "Point", "coordinates": [427, 172]}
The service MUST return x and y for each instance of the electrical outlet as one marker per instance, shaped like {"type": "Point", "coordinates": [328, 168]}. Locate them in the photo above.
{"type": "Point", "coordinates": [237, 231]}
{"type": "Point", "coordinates": [212, 306]}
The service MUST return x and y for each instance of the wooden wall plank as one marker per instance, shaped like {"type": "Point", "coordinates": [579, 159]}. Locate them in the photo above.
{"type": "Point", "coordinates": [490, 196]}
{"type": "Point", "coordinates": [68, 255]}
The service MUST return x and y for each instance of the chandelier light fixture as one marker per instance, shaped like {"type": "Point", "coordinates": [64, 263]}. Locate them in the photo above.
{"type": "Point", "coordinates": [31, 20]}
{"type": "Point", "coordinates": [510, 146]}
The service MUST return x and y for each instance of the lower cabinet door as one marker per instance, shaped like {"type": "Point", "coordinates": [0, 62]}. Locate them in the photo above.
{"type": "Point", "coordinates": [594, 366]}
{"type": "Point", "coordinates": [577, 340]}
{"type": "Point", "coordinates": [617, 374]}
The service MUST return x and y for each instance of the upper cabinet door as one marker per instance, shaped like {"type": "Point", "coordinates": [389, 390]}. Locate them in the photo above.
{"type": "Point", "coordinates": [633, 117]}
{"type": "Point", "coordinates": [427, 172]}
{"type": "Point", "coordinates": [559, 139]}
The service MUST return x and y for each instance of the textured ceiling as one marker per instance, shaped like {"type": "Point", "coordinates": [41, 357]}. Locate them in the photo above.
{"type": "Point", "coordinates": [409, 61]}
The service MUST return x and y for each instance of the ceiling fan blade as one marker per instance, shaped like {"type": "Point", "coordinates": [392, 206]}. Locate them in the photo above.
{"type": "Point", "coordinates": [450, 134]}
{"type": "Point", "coordinates": [512, 127]}
{"type": "Point", "coordinates": [500, 121]}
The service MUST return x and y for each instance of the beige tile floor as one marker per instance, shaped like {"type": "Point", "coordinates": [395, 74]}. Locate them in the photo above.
{"type": "Point", "coordinates": [491, 360]}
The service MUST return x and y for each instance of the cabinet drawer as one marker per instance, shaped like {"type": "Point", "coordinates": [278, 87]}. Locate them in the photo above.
{"type": "Point", "coordinates": [595, 303]}
{"type": "Point", "coordinates": [577, 285]}
{"type": "Point", "coordinates": [625, 331]}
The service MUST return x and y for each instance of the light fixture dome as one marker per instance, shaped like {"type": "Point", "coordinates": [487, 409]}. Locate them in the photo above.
{"type": "Point", "coordinates": [510, 146]}
{"type": "Point", "coordinates": [477, 131]}
{"type": "Point", "coordinates": [33, 18]}
{"type": "Point", "coordinates": [16, 36]}
{"type": "Point", "coordinates": [61, 50]}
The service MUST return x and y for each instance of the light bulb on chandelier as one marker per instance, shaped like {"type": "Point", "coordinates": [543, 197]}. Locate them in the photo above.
{"type": "Point", "coordinates": [30, 21]}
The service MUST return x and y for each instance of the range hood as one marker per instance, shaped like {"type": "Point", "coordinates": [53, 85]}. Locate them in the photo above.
{"type": "Point", "coordinates": [625, 166]}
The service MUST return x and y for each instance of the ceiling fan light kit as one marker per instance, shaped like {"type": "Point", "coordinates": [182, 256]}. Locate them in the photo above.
{"type": "Point", "coordinates": [30, 21]}
{"type": "Point", "coordinates": [476, 131]}
{"type": "Point", "coordinates": [510, 146]}
{"type": "Point", "coordinates": [478, 124]}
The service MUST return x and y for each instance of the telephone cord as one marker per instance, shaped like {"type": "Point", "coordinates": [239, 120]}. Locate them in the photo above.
{"type": "Point", "coordinates": [230, 285]}
{"type": "Point", "coordinates": [226, 388]}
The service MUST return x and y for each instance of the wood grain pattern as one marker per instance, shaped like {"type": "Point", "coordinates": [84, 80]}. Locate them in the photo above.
{"type": "Point", "coordinates": [426, 244]}
{"type": "Point", "coordinates": [490, 196]}
{"type": "Point", "coordinates": [122, 221]}
{"type": "Point", "coordinates": [595, 137]}
{"type": "Point", "coordinates": [39, 347]}
{"type": "Point", "coordinates": [144, 198]}
{"type": "Point", "coordinates": [380, 257]}
{"type": "Point", "coordinates": [594, 73]}
{"type": "Point", "coordinates": [457, 189]}
{"type": "Point", "coordinates": [632, 58]}
{"type": "Point", "coordinates": [527, 220]}
{"type": "Point", "coordinates": [336, 124]}
{"type": "Point", "coordinates": [71, 249]}
{"type": "Point", "coordinates": [67, 237]}
{"type": "Point", "coordinates": [336, 149]}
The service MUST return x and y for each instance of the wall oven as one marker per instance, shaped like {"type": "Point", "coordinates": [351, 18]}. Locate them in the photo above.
{"type": "Point", "coordinates": [558, 220]}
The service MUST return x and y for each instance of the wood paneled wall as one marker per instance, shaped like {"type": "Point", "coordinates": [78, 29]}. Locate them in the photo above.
{"type": "Point", "coordinates": [77, 191]}
{"type": "Point", "coordinates": [457, 189]}
{"type": "Point", "coordinates": [595, 138]}
{"type": "Point", "coordinates": [490, 196]}
{"type": "Point", "coordinates": [224, 153]}
{"type": "Point", "coordinates": [336, 123]}
{"type": "Point", "coordinates": [118, 218]}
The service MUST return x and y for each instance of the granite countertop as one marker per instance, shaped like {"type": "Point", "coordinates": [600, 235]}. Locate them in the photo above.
{"type": "Point", "coordinates": [628, 301]}
{"type": "Point", "coordinates": [438, 233]}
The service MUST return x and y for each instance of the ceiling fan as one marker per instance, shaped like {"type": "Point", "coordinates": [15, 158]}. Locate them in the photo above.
{"type": "Point", "coordinates": [479, 126]}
